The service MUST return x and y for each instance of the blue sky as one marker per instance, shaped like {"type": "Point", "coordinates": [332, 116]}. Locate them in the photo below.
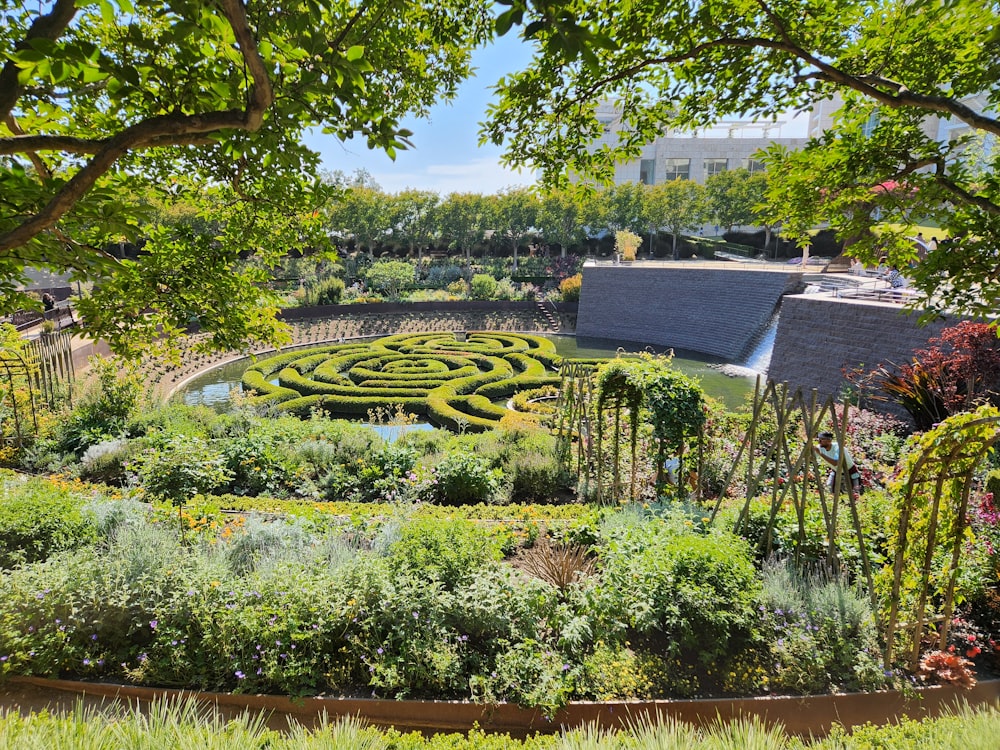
{"type": "Point", "coordinates": [447, 157]}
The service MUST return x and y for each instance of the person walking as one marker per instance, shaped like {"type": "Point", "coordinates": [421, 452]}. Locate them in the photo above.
{"type": "Point", "coordinates": [828, 450]}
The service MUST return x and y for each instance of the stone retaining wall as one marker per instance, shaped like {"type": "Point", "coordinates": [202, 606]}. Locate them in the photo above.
{"type": "Point", "coordinates": [819, 335]}
{"type": "Point", "coordinates": [715, 309]}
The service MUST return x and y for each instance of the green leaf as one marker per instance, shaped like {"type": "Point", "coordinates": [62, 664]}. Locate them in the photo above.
{"type": "Point", "coordinates": [355, 53]}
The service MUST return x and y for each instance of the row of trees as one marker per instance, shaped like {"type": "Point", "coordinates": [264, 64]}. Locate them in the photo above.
{"type": "Point", "coordinates": [566, 216]}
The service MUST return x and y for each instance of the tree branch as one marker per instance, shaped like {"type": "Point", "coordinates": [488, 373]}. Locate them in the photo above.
{"type": "Point", "coordinates": [864, 84]}
{"type": "Point", "coordinates": [906, 98]}
{"type": "Point", "coordinates": [25, 144]}
{"type": "Point", "coordinates": [40, 166]}
{"type": "Point", "coordinates": [983, 204]}
{"type": "Point", "coordinates": [159, 130]}
{"type": "Point", "coordinates": [50, 26]}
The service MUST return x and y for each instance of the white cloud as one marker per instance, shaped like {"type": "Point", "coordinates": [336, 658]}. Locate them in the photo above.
{"type": "Point", "coordinates": [484, 176]}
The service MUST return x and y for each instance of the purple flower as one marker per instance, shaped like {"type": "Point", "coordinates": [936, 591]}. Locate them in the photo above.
{"type": "Point", "coordinates": [153, 624]}
{"type": "Point", "coordinates": [93, 637]}
{"type": "Point", "coordinates": [86, 662]}
{"type": "Point", "coordinates": [378, 651]}
{"type": "Point", "coordinates": [239, 675]}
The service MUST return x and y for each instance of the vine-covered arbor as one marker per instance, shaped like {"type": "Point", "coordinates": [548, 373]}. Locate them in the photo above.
{"type": "Point", "coordinates": [931, 526]}
{"type": "Point", "coordinates": [929, 504]}
{"type": "Point", "coordinates": [604, 408]}
{"type": "Point", "coordinates": [32, 373]}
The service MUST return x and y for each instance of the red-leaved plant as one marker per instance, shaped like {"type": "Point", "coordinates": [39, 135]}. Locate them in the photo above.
{"type": "Point", "coordinates": [947, 667]}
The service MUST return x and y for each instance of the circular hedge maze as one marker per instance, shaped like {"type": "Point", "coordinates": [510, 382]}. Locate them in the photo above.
{"type": "Point", "coordinates": [452, 382]}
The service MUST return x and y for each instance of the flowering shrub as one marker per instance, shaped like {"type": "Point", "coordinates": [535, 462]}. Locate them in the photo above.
{"type": "Point", "coordinates": [822, 633]}
{"type": "Point", "coordinates": [38, 518]}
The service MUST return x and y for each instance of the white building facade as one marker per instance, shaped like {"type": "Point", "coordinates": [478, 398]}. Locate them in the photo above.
{"type": "Point", "coordinates": [695, 156]}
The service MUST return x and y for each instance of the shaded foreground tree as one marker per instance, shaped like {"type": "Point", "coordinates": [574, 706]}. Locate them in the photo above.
{"type": "Point", "coordinates": [103, 101]}
{"type": "Point", "coordinates": [679, 65]}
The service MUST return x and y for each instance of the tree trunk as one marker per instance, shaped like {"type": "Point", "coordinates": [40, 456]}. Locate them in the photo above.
{"type": "Point", "coordinates": [675, 255]}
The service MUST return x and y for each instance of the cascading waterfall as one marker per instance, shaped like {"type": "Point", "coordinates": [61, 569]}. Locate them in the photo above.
{"type": "Point", "coordinates": [760, 358]}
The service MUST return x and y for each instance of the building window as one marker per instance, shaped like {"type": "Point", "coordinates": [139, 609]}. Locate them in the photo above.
{"type": "Point", "coordinates": [606, 123]}
{"type": "Point", "coordinates": [715, 166]}
{"type": "Point", "coordinates": [646, 171]}
{"type": "Point", "coordinates": [677, 169]}
{"type": "Point", "coordinates": [753, 166]}
{"type": "Point", "coordinates": [869, 127]}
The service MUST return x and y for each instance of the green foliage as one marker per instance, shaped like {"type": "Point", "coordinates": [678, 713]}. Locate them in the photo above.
{"type": "Point", "coordinates": [38, 519]}
{"type": "Point", "coordinates": [451, 381]}
{"type": "Point", "coordinates": [108, 462]}
{"type": "Point", "coordinates": [626, 244]}
{"type": "Point", "coordinates": [731, 197]}
{"type": "Point", "coordinates": [536, 477]}
{"type": "Point", "coordinates": [385, 475]}
{"type": "Point", "coordinates": [259, 464]}
{"type": "Point", "coordinates": [188, 724]}
{"type": "Point", "coordinates": [678, 205]}
{"type": "Point", "coordinates": [950, 451]}
{"type": "Point", "coordinates": [484, 286]}
{"type": "Point", "coordinates": [107, 407]}
{"type": "Point", "coordinates": [674, 403]}
{"type": "Point", "coordinates": [823, 633]}
{"type": "Point", "coordinates": [687, 592]}
{"type": "Point", "coordinates": [390, 277]}
{"type": "Point", "coordinates": [207, 174]}
{"type": "Point", "coordinates": [325, 292]}
{"type": "Point", "coordinates": [465, 479]}
{"type": "Point", "coordinates": [451, 552]}
{"type": "Point", "coordinates": [181, 468]}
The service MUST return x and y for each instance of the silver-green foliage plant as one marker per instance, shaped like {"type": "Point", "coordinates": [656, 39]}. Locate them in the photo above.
{"type": "Point", "coordinates": [822, 631]}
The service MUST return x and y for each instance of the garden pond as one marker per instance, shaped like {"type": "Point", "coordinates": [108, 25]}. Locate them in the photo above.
{"type": "Point", "coordinates": [213, 387]}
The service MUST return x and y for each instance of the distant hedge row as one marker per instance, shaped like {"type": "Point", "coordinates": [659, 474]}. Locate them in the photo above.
{"type": "Point", "coordinates": [452, 382]}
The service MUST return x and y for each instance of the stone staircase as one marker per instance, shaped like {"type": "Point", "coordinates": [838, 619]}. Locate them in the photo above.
{"type": "Point", "coordinates": [548, 311]}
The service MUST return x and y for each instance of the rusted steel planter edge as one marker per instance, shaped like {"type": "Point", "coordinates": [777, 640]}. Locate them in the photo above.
{"type": "Point", "coordinates": [798, 714]}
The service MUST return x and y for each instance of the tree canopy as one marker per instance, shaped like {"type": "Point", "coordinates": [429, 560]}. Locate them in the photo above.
{"type": "Point", "coordinates": [105, 101]}
{"type": "Point", "coordinates": [895, 64]}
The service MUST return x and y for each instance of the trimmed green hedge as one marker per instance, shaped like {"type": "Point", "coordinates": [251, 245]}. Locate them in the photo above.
{"type": "Point", "coordinates": [435, 374]}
